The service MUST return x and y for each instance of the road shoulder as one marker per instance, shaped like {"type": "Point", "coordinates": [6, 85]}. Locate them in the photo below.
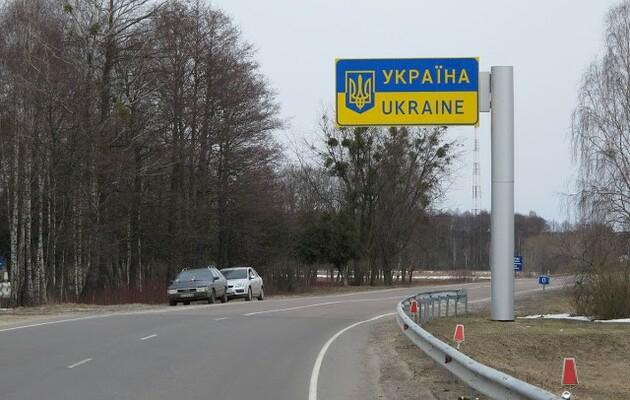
{"type": "Point", "coordinates": [394, 368]}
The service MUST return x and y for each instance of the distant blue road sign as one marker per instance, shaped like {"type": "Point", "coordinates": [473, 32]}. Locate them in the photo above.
{"type": "Point", "coordinates": [518, 263]}
{"type": "Point", "coordinates": [544, 280]}
{"type": "Point", "coordinates": [1, 263]}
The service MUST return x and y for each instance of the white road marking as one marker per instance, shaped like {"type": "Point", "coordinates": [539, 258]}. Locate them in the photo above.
{"type": "Point", "coordinates": [113, 314]}
{"type": "Point", "coordinates": [15, 328]}
{"type": "Point", "coordinates": [149, 337]}
{"type": "Point", "coordinates": [328, 303]}
{"type": "Point", "coordinates": [295, 308]}
{"type": "Point", "coordinates": [79, 363]}
{"type": "Point", "coordinates": [312, 390]}
{"type": "Point", "coordinates": [220, 319]}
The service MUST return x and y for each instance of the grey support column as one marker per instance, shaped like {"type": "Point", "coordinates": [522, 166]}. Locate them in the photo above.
{"type": "Point", "coordinates": [502, 213]}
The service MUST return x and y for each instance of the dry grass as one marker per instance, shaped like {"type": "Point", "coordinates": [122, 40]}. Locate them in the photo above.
{"type": "Point", "coordinates": [533, 349]}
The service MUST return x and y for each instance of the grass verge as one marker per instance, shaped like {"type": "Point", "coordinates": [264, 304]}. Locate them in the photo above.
{"type": "Point", "coordinates": [533, 349]}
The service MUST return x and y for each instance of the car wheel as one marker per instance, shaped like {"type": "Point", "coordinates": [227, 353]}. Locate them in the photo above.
{"type": "Point", "coordinates": [172, 303]}
{"type": "Point", "coordinates": [261, 295]}
{"type": "Point", "coordinates": [224, 297]}
{"type": "Point", "coordinates": [249, 294]}
{"type": "Point", "coordinates": [213, 297]}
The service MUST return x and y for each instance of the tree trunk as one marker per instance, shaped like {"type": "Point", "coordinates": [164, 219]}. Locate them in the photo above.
{"type": "Point", "coordinates": [387, 270]}
{"type": "Point", "coordinates": [78, 252]}
{"type": "Point", "coordinates": [51, 240]}
{"type": "Point", "coordinates": [224, 230]}
{"type": "Point", "coordinates": [346, 270]}
{"type": "Point", "coordinates": [129, 251]}
{"type": "Point", "coordinates": [29, 295]}
{"type": "Point", "coordinates": [14, 218]}
{"type": "Point", "coordinates": [41, 265]}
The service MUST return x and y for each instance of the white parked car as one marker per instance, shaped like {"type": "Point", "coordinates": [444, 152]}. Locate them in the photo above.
{"type": "Point", "coordinates": [244, 282]}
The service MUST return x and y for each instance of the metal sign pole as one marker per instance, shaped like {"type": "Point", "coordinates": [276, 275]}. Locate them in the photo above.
{"type": "Point", "coordinates": [543, 302]}
{"type": "Point", "coordinates": [502, 212]}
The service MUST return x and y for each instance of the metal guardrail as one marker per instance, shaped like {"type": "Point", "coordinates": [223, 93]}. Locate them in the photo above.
{"type": "Point", "coordinates": [479, 377]}
{"type": "Point", "coordinates": [432, 304]}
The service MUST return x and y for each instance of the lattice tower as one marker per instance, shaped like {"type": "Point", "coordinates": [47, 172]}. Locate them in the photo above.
{"type": "Point", "coordinates": [476, 178]}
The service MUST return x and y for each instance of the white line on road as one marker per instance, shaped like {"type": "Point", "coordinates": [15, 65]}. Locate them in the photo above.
{"type": "Point", "coordinates": [220, 319]}
{"type": "Point", "coordinates": [312, 390]}
{"type": "Point", "coordinates": [15, 328]}
{"type": "Point", "coordinates": [149, 337]}
{"type": "Point", "coordinates": [113, 314]}
{"type": "Point", "coordinates": [79, 363]}
{"type": "Point", "coordinates": [328, 303]}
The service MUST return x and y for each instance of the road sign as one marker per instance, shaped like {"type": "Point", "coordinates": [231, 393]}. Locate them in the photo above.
{"type": "Point", "coordinates": [1, 263]}
{"type": "Point", "coordinates": [544, 280]}
{"type": "Point", "coordinates": [518, 263]}
{"type": "Point", "coordinates": [411, 91]}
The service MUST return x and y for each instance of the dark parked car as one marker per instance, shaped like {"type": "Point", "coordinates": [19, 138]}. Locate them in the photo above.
{"type": "Point", "coordinates": [198, 284]}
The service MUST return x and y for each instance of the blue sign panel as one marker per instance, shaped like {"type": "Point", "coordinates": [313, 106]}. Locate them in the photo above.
{"type": "Point", "coordinates": [1, 263]}
{"type": "Point", "coordinates": [408, 91]}
{"type": "Point", "coordinates": [518, 263]}
{"type": "Point", "coordinates": [544, 280]}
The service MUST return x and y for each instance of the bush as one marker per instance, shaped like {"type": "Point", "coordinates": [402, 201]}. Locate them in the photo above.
{"type": "Point", "coordinates": [605, 293]}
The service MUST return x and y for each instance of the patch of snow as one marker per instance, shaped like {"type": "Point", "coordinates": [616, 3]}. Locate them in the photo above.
{"type": "Point", "coordinates": [624, 320]}
{"type": "Point", "coordinates": [575, 318]}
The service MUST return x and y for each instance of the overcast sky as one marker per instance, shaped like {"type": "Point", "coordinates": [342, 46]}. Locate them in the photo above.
{"type": "Point", "coordinates": [549, 42]}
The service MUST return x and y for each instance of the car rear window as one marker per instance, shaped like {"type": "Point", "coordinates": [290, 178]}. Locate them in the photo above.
{"type": "Point", "coordinates": [240, 273]}
{"type": "Point", "coordinates": [193, 275]}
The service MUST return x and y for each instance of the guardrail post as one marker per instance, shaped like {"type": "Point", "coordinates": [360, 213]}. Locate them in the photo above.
{"type": "Point", "coordinates": [425, 310]}
{"type": "Point", "coordinates": [466, 305]}
{"type": "Point", "coordinates": [447, 305]}
{"type": "Point", "coordinates": [456, 303]}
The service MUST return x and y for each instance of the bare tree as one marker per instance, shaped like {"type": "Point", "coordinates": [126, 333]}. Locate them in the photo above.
{"type": "Point", "coordinates": [133, 134]}
{"type": "Point", "coordinates": [389, 179]}
{"type": "Point", "coordinates": [601, 127]}
{"type": "Point", "coordinates": [601, 143]}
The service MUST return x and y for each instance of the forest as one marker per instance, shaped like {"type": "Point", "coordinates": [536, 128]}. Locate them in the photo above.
{"type": "Point", "coordinates": [138, 138]}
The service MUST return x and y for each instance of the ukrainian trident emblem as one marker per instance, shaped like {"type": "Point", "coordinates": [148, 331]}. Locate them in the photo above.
{"type": "Point", "coordinates": [360, 90]}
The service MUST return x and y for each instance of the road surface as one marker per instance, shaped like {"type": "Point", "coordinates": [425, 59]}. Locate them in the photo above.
{"type": "Point", "coordinates": [280, 349]}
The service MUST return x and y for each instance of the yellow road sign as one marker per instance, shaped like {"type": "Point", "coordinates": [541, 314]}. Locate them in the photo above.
{"type": "Point", "coordinates": [421, 91]}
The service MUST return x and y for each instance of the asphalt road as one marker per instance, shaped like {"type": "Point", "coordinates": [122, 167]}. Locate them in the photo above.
{"type": "Point", "coordinates": [277, 349]}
